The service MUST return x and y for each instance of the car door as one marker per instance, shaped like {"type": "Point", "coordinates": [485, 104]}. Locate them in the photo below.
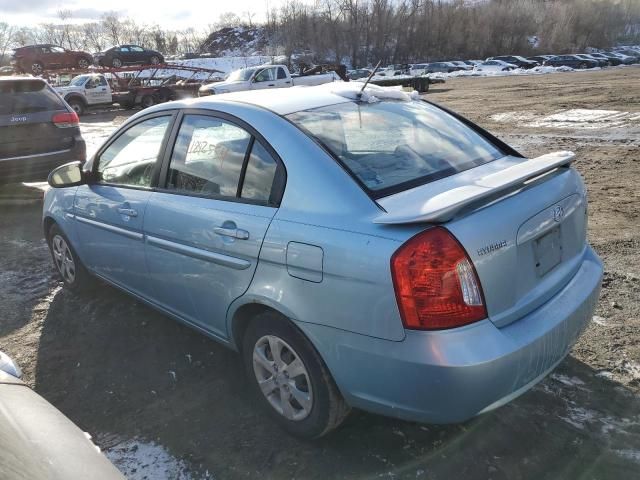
{"type": "Point", "coordinates": [205, 224]}
{"type": "Point", "coordinates": [125, 54]}
{"type": "Point", "coordinates": [109, 211]}
{"type": "Point", "coordinates": [265, 78]}
{"type": "Point", "coordinates": [137, 54]}
{"type": "Point", "coordinates": [282, 79]}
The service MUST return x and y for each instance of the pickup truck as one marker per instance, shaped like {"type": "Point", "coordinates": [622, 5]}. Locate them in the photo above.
{"type": "Point", "coordinates": [263, 77]}
{"type": "Point", "coordinates": [93, 89]}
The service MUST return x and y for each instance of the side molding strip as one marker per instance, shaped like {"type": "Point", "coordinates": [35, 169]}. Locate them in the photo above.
{"type": "Point", "coordinates": [207, 256]}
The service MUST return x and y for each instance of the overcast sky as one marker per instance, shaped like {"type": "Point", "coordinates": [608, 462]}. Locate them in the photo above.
{"type": "Point", "coordinates": [174, 14]}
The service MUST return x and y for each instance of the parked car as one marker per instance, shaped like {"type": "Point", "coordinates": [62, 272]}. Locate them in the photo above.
{"type": "Point", "coordinates": [635, 54]}
{"type": "Point", "coordinates": [611, 59]}
{"type": "Point", "coordinates": [461, 64]}
{"type": "Point", "coordinates": [442, 67]}
{"type": "Point", "coordinates": [602, 62]}
{"type": "Point", "coordinates": [38, 130]}
{"type": "Point", "coordinates": [517, 60]}
{"type": "Point", "coordinates": [624, 59]}
{"type": "Point", "coordinates": [359, 73]}
{"type": "Point", "coordinates": [572, 61]}
{"type": "Point", "coordinates": [319, 232]}
{"type": "Point", "coordinates": [264, 77]}
{"type": "Point", "coordinates": [126, 55]}
{"type": "Point", "coordinates": [494, 66]}
{"type": "Point", "coordinates": [38, 58]}
{"type": "Point", "coordinates": [39, 441]}
{"type": "Point", "coordinates": [540, 59]}
{"type": "Point", "coordinates": [472, 63]}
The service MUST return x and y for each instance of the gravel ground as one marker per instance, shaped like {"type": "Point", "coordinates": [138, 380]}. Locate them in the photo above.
{"type": "Point", "coordinates": [165, 402]}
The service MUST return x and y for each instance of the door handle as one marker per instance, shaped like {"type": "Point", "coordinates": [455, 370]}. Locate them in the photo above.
{"type": "Point", "coordinates": [130, 212]}
{"type": "Point", "coordinates": [232, 232]}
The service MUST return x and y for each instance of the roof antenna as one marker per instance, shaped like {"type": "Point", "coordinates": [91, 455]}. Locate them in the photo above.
{"type": "Point", "coordinates": [359, 94]}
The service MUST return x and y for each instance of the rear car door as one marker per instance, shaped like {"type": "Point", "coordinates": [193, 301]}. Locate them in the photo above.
{"type": "Point", "coordinates": [110, 211]}
{"type": "Point", "coordinates": [205, 224]}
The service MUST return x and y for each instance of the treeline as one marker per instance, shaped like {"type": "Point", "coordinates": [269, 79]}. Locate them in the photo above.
{"type": "Point", "coordinates": [365, 31]}
{"type": "Point", "coordinates": [361, 32]}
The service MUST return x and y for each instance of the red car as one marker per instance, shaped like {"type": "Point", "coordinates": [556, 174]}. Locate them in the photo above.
{"type": "Point", "coordinates": [37, 58]}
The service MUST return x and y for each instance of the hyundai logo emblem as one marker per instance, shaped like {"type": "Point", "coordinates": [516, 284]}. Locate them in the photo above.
{"type": "Point", "coordinates": [558, 213]}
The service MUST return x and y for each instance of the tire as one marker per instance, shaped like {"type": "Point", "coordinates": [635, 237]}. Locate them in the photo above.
{"type": "Point", "coordinates": [147, 101]}
{"type": "Point", "coordinates": [116, 62]}
{"type": "Point", "coordinates": [68, 265]}
{"type": "Point", "coordinates": [582, 66]}
{"type": "Point", "coordinates": [154, 60]}
{"type": "Point", "coordinates": [83, 63]}
{"type": "Point", "coordinates": [321, 407]}
{"type": "Point", "coordinates": [37, 68]}
{"type": "Point", "coordinates": [77, 105]}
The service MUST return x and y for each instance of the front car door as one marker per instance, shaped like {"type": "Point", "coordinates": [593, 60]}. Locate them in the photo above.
{"type": "Point", "coordinates": [205, 224]}
{"type": "Point", "coordinates": [110, 211]}
{"type": "Point", "coordinates": [137, 54]}
{"type": "Point", "coordinates": [265, 78]}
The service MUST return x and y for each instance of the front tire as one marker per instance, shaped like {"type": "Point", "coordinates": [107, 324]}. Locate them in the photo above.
{"type": "Point", "coordinates": [68, 265]}
{"type": "Point", "coordinates": [83, 63]}
{"type": "Point", "coordinates": [290, 379]}
{"type": "Point", "coordinates": [155, 60]}
{"type": "Point", "coordinates": [147, 101]}
{"type": "Point", "coordinates": [77, 105]}
{"type": "Point", "coordinates": [37, 68]}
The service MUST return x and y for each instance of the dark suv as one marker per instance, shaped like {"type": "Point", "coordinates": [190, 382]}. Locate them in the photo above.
{"type": "Point", "coordinates": [38, 58]}
{"type": "Point", "coordinates": [38, 130]}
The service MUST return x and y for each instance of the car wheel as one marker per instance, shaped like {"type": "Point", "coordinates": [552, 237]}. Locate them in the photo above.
{"type": "Point", "coordinates": [83, 63]}
{"type": "Point", "coordinates": [147, 101]}
{"type": "Point", "coordinates": [291, 380]}
{"type": "Point", "coordinates": [154, 60]}
{"type": "Point", "coordinates": [116, 62]}
{"type": "Point", "coordinates": [77, 105]}
{"type": "Point", "coordinates": [74, 275]}
{"type": "Point", "coordinates": [582, 66]}
{"type": "Point", "coordinates": [37, 68]}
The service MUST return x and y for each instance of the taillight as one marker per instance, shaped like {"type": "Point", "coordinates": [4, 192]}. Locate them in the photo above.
{"type": "Point", "coordinates": [435, 282]}
{"type": "Point", "coordinates": [66, 120]}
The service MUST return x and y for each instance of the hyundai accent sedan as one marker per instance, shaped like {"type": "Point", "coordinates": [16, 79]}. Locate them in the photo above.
{"type": "Point", "coordinates": [362, 249]}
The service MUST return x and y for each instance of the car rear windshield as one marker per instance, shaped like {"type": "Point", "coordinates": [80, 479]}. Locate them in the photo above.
{"type": "Point", "coordinates": [390, 146]}
{"type": "Point", "coordinates": [27, 96]}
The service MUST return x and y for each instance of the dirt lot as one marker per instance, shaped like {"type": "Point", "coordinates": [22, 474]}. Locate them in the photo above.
{"type": "Point", "coordinates": [165, 402]}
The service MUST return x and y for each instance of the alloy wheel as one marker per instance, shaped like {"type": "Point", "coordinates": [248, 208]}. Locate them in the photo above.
{"type": "Point", "coordinates": [37, 68]}
{"type": "Point", "coordinates": [63, 258]}
{"type": "Point", "coordinates": [282, 377]}
{"type": "Point", "coordinates": [116, 63]}
{"type": "Point", "coordinates": [83, 63]}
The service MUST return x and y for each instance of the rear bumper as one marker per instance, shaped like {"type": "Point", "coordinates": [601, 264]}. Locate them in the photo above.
{"type": "Point", "coordinates": [450, 376]}
{"type": "Point", "coordinates": [32, 168]}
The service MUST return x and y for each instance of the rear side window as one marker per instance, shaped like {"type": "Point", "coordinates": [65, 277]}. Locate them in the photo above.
{"type": "Point", "coordinates": [208, 157]}
{"type": "Point", "coordinates": [281, 74]}
{"type": "Point", "coordinates": [389, 146]}
{"type": "Point", "coordinates": [260, 174]}
{"type": "Point", "coordinates": [28, 96]}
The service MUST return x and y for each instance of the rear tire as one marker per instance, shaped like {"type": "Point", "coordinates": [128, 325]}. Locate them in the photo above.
{"type": "Point", "coordinates": [116, 62]}
{"type": "Point", "coordinates": [83, 63]}
{"type": "Point", "coordinates": [68, 265]}
{"type": "Point", "coordinates": [582, 66]}
{"type": "Point", "coordinates": [294, 385]}
{"type": "Point", "coordinates": [147, 101]}
{"type": "Point", "coordinates": [154, 60]}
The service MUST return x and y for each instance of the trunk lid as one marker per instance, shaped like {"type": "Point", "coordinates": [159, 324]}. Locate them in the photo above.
{"type": "Point", "coordinates": [522, 222]}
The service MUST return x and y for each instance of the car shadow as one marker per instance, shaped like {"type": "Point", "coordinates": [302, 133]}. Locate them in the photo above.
{"type": "Point", "coordinates": [120, 370]}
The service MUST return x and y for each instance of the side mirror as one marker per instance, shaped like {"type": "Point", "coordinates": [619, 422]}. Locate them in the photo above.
{"type": "Point", "coordinates": [67, 175]}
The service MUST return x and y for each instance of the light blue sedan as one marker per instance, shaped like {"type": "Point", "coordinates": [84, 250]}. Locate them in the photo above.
{"type": "Point", "coordinates": [359, 249]}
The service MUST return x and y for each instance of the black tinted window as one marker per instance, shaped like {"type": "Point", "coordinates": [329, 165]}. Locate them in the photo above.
{"type": "Point", "coordinates": [208, 157]}
{"type": "Point", "coordinates": [27, 96]}
{"type": "Point", "coordinates": [281, 74]}
{"type": "Point", "coordinates": [261, 170]}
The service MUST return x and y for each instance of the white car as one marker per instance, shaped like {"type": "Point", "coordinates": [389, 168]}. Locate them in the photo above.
{"type": "Point", "coordinates": [494, 66]}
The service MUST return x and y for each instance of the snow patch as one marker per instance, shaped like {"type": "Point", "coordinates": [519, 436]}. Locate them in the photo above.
{"type": "Point", "coordinates": [629, 454]}
{"type": "Point", "coordinates": [371, 94]}
{"type": "Point", "coordinates": [600, 321]}
{"type": "Point", "coordinates": [140, 460]}
{"type": "Point", "coordinates": [568, 381]}
{"type": "Point", "coordinates": [576, 118]}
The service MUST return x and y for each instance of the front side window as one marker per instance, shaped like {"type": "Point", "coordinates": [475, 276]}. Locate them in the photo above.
{"type": "Point", "coordinates": [266, 75]}
{"type": "Point", "coordinates": [208, 157]}
{"type": "Point", "coordinates": [130, 160]}
{"type": "Point", "coordinates": [394, 145]}
{"type": "Point", "coordinates": [281, 74]}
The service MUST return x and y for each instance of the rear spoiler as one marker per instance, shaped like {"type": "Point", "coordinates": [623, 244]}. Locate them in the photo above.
{"type": "Point", "coordinates": [445, 205]}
